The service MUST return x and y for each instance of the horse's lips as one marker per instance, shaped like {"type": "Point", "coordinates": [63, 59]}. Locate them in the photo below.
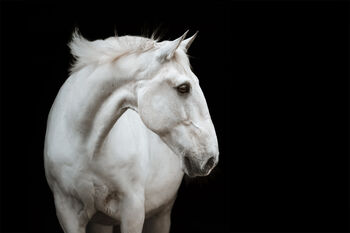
{"type": "Point", "coordinates": [188, 164]}
{"type": "Point", "coordinates": [190, 169]}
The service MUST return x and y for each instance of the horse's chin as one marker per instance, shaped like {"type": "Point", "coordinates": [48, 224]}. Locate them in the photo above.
{"type": "Point", "coordinates": [189, 173]}
{"type": "Point", "coordinates": [193, 174]}
{"type": "Point", "coordinates": [191, 170]}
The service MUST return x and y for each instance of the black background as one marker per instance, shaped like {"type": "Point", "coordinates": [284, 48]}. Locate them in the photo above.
{"type": "Point", "coordinates": [275, 76]}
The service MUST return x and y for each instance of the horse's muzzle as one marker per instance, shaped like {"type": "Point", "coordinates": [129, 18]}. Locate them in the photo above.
{"type": "Point", "coordinates": [195, 167]}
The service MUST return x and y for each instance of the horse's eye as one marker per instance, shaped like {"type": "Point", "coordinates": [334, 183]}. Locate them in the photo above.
{"type": "Point", "coordinates": [184, 88]}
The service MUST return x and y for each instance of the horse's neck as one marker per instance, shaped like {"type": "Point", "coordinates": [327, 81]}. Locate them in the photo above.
{"type": "Point", "coordinates": [100, 99]}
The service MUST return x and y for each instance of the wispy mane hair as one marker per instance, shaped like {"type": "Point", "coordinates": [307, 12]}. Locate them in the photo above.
{"type": "Point", "coordinates": [103, 51]}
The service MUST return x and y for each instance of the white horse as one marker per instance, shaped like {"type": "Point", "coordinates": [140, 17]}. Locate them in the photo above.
{"type": "Point", "coordinates": [107, 165]}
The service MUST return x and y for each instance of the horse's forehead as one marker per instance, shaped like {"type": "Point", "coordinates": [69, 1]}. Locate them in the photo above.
{"type": "Point", "coordinates": [175, 69]}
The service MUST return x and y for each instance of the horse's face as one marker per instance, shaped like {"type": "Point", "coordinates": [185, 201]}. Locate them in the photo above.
{"type": "Point", "coordinates": [172, 104]}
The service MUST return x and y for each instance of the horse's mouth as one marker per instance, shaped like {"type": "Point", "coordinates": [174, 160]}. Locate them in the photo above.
{"type": "Point", "coordinates": [191, 169]}
{"type": "Point", "coordinates": [188, 166]}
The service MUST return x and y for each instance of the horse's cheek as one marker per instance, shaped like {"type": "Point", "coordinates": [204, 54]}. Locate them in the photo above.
{"type": "Point", "coordinates": [149, 110]}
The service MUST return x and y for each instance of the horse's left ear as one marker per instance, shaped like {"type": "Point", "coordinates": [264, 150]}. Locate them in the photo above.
{"type": "Point", "coordinates": [168, 51]}
{"type": "Point", "coordinates": [187, 43]}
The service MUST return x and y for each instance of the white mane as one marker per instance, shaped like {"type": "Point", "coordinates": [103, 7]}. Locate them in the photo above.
{"type": "Point", "coordinates": [102, 51]}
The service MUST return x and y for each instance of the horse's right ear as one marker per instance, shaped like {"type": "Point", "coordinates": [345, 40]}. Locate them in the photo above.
{"type": "Point", "coordinates": [167, 51]}
{"type": "Point", "coordinates": [187, 43]}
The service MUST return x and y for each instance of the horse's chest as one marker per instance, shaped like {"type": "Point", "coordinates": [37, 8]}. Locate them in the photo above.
{"type": "Point", "coordinates": [162, 186]}
{"type": "Point", "coordinates": [159, 190]}
{"type": "Point", "coordinates": [133, 156]}
{"type": "Point", "coordinates": [157, 198]}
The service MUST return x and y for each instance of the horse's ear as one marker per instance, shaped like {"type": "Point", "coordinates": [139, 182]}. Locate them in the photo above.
{"type": "Point", "coordinates": [187, 43]}
{"type": "Point", "coordinates": [168, 51]}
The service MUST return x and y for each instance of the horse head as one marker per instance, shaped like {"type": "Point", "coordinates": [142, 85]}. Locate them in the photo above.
{"type": "Point", "coordinates": [171, 103]}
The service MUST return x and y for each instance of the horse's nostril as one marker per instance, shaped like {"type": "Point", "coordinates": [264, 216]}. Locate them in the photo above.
{"type": "Point", "coordinates": [210, 163]}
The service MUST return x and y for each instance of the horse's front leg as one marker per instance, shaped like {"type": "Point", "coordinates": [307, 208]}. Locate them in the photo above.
{"type": "Point", "coordinates": [70, 213]}
{"type": "Point", "coordinates": [132, 213]}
